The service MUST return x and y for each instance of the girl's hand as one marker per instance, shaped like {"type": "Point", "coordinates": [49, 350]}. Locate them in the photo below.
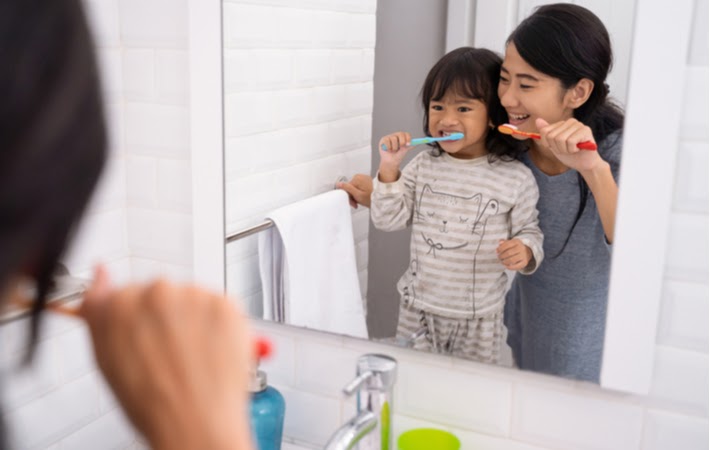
{"type": "Point", "coordinates": [359, 189]}
{"type": "Point", "coordinates": [397, 146]}
{"type": "Point", "coordinates": [513, 254]}
{"type": "Point", "coordinates": [562, 139]}
{"type": "Point", "coordinates": [177, 358]}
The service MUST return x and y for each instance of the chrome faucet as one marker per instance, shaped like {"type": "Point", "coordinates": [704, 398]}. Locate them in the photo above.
{"type": "Point", "coordinates": [371, 428]}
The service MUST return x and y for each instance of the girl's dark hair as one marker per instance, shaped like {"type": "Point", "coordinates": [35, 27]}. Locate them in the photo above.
{"type": "Point", "coordinates": [473, 73]}
{"type": "Point", "coordinates": [569, 42]}
{"type": "Point", "coordinates": [52, 136]}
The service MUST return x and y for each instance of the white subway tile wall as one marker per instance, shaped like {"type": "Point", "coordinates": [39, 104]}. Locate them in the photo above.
{"type": "Point", "coordinates": [298, 89]}
{"type": "Point", "coordinates": [139, 224]}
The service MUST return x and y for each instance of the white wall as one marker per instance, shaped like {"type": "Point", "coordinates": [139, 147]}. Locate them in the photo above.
{"type": "Point", "coordinates": [139, 224]}
{"type": "Point", "coordinates": [298, 115]}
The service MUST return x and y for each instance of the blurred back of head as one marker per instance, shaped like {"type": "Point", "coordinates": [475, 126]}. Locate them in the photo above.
{"type": "Point", "coordinates": [52, 135]}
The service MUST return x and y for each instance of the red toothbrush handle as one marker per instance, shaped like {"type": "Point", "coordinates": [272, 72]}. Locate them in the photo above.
{"type": "Point", "coordinates": [587, 145]}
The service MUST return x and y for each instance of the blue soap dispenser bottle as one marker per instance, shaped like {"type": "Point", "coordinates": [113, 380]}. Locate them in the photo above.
{"type": "Point", "coordinates": [267, 413]}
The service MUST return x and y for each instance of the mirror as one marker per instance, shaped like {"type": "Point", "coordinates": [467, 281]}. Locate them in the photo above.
{"type": "Point", "coordinates": [307, 98]}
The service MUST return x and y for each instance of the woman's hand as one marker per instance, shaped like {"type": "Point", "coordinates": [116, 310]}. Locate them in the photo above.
{"type": "Point", "coordinates": [393, 149]}
{"type": "Point", "coordinates": [177, 358]}
{"type": "Point", "coordinates": [513, 254]}
{"type": "Point", "coordinates": [562, 139]}
{"type": "Point", "coordinates": [359, 189]}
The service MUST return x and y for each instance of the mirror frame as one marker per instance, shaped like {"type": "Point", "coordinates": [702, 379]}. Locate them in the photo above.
{"type": "Point", "coordinates": [658, 59]}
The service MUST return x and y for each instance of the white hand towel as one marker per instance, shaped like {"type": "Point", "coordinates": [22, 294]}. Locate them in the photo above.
{"type": "Point", "coordinates": [312, 266]}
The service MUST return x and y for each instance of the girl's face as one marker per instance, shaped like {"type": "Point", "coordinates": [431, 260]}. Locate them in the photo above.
{"type": "Point", "coordinates": [457, 114]}
{"type": "Point", "coordinates": [527, 94]}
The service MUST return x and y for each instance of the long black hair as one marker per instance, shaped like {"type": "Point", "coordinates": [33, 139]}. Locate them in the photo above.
{"type": "Point", "coordinates": [472, 73]}
{"type": "Point", "coordinates": [569, 42]}
{"type": "Point", "coordinates": [52, 137]}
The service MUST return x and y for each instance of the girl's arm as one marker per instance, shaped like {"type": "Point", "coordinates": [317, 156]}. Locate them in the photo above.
{"type": "Point", "coordinates": [525, 226]}
{"type": "Point", "coordinates": [392, 204]}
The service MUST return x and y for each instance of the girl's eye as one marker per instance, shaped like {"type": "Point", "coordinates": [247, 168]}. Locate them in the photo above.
{"type": "Point", "coordinates": [436, 107]}
{"type": "Point", "coordinates": [464, 109]}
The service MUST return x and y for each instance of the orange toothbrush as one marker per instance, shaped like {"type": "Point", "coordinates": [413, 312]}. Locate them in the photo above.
{"type": "Point", "coordinates": [512, 129]}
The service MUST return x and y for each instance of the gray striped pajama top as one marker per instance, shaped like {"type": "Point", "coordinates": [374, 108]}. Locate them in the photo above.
{"type": "Point", "coordinates": [459, 210]}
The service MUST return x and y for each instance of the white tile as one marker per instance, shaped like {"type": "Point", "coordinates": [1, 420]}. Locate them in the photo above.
{"type": "Point", "coordinates": [139, 73]}
{"type": "Point", "coordinates": [107, 400]}
{"type": "Point", "coordinates": [161, 235]}
{"type": "Point", "coordinates": [312, 67]}
{"type": "Point", "coordinates": [558, 419]}
{"type": "Point", "coordinates": [368, 65]}
{"type": "Point", "coordinates": [698, 52]}
{"type": "Point", "coordinates": [109, 61]}
{"type": "Point", "coordinates": [680, 378]}
{"type": "Point", "coordinates": [345, 134]}
{"type": "Point", "coordinates": [294, 27]}
{"type": "Point", "coordinates": [172, 76]}
{"type": "Point", "coordinates": [330, 29]}
{"type": "Point", "coordinates": [110, 192]}
{"type": "Point", "coordinates": [100, 236]}
{"type": "Point", "coordinates": [292, 107]}
{"type": "Point", "coordinates": [110, 431]}
{"type": "Point", "coordinates": [280, 366]}
{"type": "Point", "coordinates": [687, 257]}
{"type": "Point", "coordinates": [249, 113]}
{"type": "Point", "coordinates": [177, 272]}
{"type": "Point", "coordinates": [239, 73]}
{"type": "Point", "coordinates": [76, 353]}
{"type": "Point", "coordinates": [60, 413]}
{"type": "Point", "coordinates": [478, 440]}
{"type": "Point", "coordinates": [359, 98]}
{"type": "Point", "coordinates": [175, 185]}
{"type": "Point", "coordinates": [247, 26]}
{"type": "Point", "coordinates": [274, 68]}
{"type": "Point", "coordinates": [142, 181]}
{"type": "Point", "coordinates": [694, 114]}
{"type": "Point", "coordinates": [140, 25]}
{"type": "Point", "coordinates": [664, 430]}
{"type": "Point", "coordinates": [361, 30]}
{"type": "Point", "coordinates": [324, 369]}
{"type": "Point", "coordinates": [102, 16]}
{"type": "Point", "coordinates": [328, 102]}
{"type": "Point", "coordinates": [683, 319]}
{"type": "Point", "coordinates": [158, 130]}
{"type": "Point", "coordinates": [690, 193]}
{"type": "Point", "coordinates": [460, 399]}
{"type": "Point", "coordinates": [143, 269]}
{"type": "Point", "coordinates": [310, 418]}
{"type": "Point", "coordinates": [358, 161]}
{"type": "Point", "coordinates": [347, 65]}
{"type": "Point", "coordinates": [22, 384]}
{"type": "Point", "coordinates": [114, 124]}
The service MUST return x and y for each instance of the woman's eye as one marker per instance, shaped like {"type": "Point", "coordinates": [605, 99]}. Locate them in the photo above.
{"type": "Point", "coordinates": [503, 79]}
{"type": "Point", "coordinates": [525, 86]}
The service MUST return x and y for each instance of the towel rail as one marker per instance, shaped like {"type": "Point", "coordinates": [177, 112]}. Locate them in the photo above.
{"type": "Point", "coordinates": [249, 231]}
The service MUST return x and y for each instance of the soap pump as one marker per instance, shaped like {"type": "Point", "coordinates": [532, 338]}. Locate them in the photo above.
{"type": "Point", "coordinates": [267, 406]}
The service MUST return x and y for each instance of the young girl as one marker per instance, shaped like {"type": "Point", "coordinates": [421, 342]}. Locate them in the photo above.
{"type": "Point", "coordinates": [552, 82]}
{"type": "Point", "coordinates": [472, 210]}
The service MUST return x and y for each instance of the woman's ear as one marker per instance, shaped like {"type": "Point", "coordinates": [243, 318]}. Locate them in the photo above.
{"type": "Point", "coordinates": [579, 94]}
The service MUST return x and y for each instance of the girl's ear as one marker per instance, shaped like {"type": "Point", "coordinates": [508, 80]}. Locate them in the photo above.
{"type": "Point", "coordinates": [579, 94]}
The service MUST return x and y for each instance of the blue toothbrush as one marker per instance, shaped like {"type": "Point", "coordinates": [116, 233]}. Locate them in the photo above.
{"type": "Point", "coordinates": [429, 140]}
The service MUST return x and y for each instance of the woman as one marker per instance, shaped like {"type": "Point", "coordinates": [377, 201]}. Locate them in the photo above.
{"type": "Point", "coordinates": [553, 82]}
{"type": "Point", "coordinates": [176, 357]}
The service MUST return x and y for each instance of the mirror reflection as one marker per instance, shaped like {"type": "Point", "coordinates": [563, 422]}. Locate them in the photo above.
{"type": "Point", "coordinates": [298, 115]}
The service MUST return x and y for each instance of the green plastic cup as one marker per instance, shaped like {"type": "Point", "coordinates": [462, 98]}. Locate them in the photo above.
{"type": "Point", "coordinates": [428, 439]}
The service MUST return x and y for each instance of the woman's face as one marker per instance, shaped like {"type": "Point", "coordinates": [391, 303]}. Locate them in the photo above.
{"type": "Point", "coordinates": [527, 94]}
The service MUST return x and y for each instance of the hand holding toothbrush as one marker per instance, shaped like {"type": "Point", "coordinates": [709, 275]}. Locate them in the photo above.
{"type": "Point", "coordinates": [177, 358]}
{"type": "Point", "coordinates": [395, 146]}
{"type": "Point", "coordinates": [563, 139]}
